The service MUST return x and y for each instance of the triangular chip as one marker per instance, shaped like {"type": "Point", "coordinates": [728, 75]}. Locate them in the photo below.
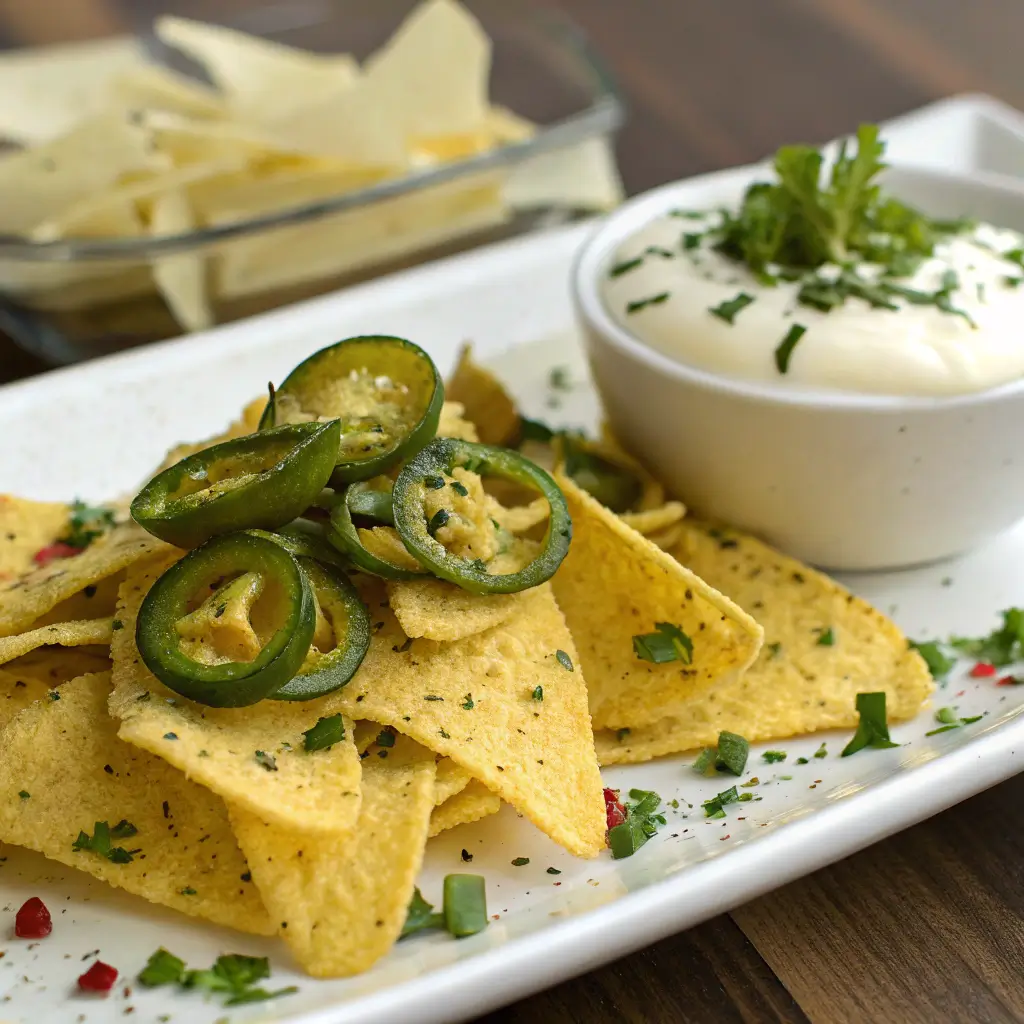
{"type": "Point", "coordinates": [180, 277]}
{"type": "Point", "coordinates": [56, 665]}
{"type": "Point", "coordinates": [476, 801]}
{"type": "Point", "coordinates": [451, 779]}
{"type": "Point", "coordinates": [183, 853]}
{"type": "Point", "coordinates": [27, 527]}
{"type": "Point", "coordinates": [488, 405]}
{"type": "Point", "coordinates": [17, 691]}
{"type": "Point", "coordinates": [502, 705]}
{"type": "Point", "coordinates": [439, 610]}
{"type": "Point", "coordinates": [614, 585]}
{"type": "Point", "coordinates": [29, 597]}
{"type": "Point", "coordinates": [823, 646]}
{"type": "Point", "coordinates": [341, 902]}
{"type": "Point", "coordinates": [253, 757]}
{"type": "Point", "coordinates": [62, 634]}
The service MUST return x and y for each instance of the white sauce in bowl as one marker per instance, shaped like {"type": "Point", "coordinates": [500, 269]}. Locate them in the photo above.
{"type": "Point", "coordinates": [917, 350]}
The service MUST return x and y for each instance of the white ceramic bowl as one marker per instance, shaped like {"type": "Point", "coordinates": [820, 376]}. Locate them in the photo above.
{"type": "Point", "coordinates": [842, 480]}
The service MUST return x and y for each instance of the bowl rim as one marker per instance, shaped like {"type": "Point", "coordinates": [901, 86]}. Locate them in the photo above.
{"type": "Point", "coordinates": [614, 228]}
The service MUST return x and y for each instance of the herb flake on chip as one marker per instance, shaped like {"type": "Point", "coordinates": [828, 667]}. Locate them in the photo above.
{"type": "Point", "coordinates": [100, 842]}
{"type": "Point", "coordinates": [538, 693]}
{"type": "Point", "coordinates": [667, 643]}
{"type": "Point", "coordinates": [86, 524]}
{"type": "Point", "coordinates": [324, 734]}
{"type": "Point", "coordinates": [873, 730]}
{"type": "Point", "coordinates": [564, 660]}
{"type": "Point", "coordinates": [468, 703]}
{"type": "Point", "coordinates": [265, 760]}
{"type": "Point", "coordinates": [827, 638]}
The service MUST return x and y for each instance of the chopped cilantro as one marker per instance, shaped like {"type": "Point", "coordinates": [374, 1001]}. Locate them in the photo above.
{"type": "Point", "coordinates": [554, 871]}
{"type": "Point", "coordinates": [116, 625]}
{"type": "Point", "coordinates": [538, 693]}
{"type": "Point", "coordinates": [625, 266]}
{"type": "Point", "coordinates": [642, 821]}
{"type": "Point", "coordinates": [564, 660]}
{"type": "Point", "coordinates": [437, 520]}
{"type": "Point", "coordinates": [324, 734]}
{"type": "Point", "coordinates": [827, 638]}
{"type": "Point", "coordinates": [24, 794]}
{"type": "Point", "coordinates": [170, 735]}
{"type": "Point", "coordinates": [467, 702]}
{"type": "Point", "coordinates": [232, 975]}
{"type": "Point", "coordinates": [187, 891]}
{"type": "Point", "coordinates": [420, 916]}
{"type": "Point", "coordinates": [86, 523]}
{"type": "Point", "coordinates": [621, 734]}
{"type": "Point", "coordinates": [873, 730]}
{"type": "Point", "coordinates": [162, 968]}
{"type": "Point", "coordinates": [668, 643]}
{"type": "Point", "coordinates": [705, 763]}
{"type": "Point", "coordinates": [774, 756]}
{"type": "Point", "coordinates": [559, 378]}
{"type": "Point", "coordinates": [715, 807]}
{"type": "Point", "coordinates": [691, 240]}
{"type": "Point", "coordinates": [802, 760]}
{"type": "Point", "coordinates": [938, 662]}
{"type": "Point", "coordinates": [948, 719]}
{"type": "Point", "coordinates": [821, 752]}
{"type": "Point", "coordinates": [638, 304]}
{"type": "Point", "coordinates": [727, 310]}
{"type": "Point", "coordinates": [785, 349]}
{"type": "Point", "coordinates": [774, 649]}
{"type": "Point", "coordinates": [1002, 646]}
{"type": "Point", "coordinates": [733, 752]}
{"type": "Point", "coordinates": [100, 841]}
{"type": "Point", "coordinates": [265, 760]}
{"type": "Point", "coordinates": [460, 489]}
{"type": "Point", "coordinates": [434, 483]}
{"type": "Point", "coordinates": [385, 738]}
{"type": "Point", "coordinates": [520, 862]}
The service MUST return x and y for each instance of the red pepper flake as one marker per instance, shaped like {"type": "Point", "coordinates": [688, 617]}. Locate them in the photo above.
{"type": "Point", "coordinates": [44, 556]}
{"type": "Point", "coordinates": [615, 813]}
{"type": "Point", "coordinates": [1010, 681]}
{"type": "Point", "coordinates": [99, 978]}
{"type": "Point", "coordinates": [983, 670]}
{"type": "Point", "coordinates": [33, 920]}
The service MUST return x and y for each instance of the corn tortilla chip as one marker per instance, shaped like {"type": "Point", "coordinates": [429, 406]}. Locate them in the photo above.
{"type": "Point", "coordinates": [476, 801]}
{"type": "Point", "coordinates": [253, 757]}
{"type": "Point", "coordinates": [451, 779]}
{"type": "Point", "coordinates": [180, 277]}
{"type": "Point", "coordinates": [56, 665]}
{"type": "Point", "coordinates": [189, 859]}
{"type": "Point", "coordinates": [94, 601]}
{"type": "Point", "coordinates": [615, 584]}
{"type": "Point", "coordinates": [26, 527]}
{"type": "Point", "coordinates": [151, 86]}
{"type": "Point", "coordinates": [17, 691]}
{"type": "Point", "coordinates": [63, 634]}
{"type": "Point", "coordinates": [797, 685]}
{"type": "Point", "coordinates": [31, 596]}
{"type": "Point", "coordinates": [439, 610]}
{"type": "Point", "coordinates": [453, 423]}
{"type": "Point", "coordinates": [501, 705]}
{"type": "Point", "coordinates": [653, 521]}
{"type": "Point", "coordinates": [341, 901]}
{"type": "Point", "coordinates": [487, 404]}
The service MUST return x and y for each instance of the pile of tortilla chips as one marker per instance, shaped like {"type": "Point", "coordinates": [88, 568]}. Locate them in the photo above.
{"type": "Point", "coordinates": [462, 702]}
{"type": "Point", "coordinates": [155, 153]}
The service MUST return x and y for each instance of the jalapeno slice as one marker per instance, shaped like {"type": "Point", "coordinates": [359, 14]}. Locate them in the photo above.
{"type": "Point", "coordinates": [386, 391]}
{"type": "Point", "coordinates": [341, 640]}
{"type": "Point", "coordinates": [343, 533]}
{"type": "Point", "coordinates": [260, 480]}
{"type": "Point", "coordinates": [306, 539]}
{"type": "Point", "coordinates": [230, 623]}
{"type": "Point", "coordinates": [422, 474]}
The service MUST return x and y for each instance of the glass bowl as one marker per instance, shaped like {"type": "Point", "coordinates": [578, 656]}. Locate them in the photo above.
{"type": "Point", "coordinates": [72, 299]}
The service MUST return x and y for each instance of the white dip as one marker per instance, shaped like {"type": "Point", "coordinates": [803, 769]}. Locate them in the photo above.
{"type": "Point", "coordinates": [915, 350]}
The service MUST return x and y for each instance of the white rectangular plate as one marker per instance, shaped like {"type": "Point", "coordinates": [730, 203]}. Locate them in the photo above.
{"type": "Point", "coordinates": [97, 430]}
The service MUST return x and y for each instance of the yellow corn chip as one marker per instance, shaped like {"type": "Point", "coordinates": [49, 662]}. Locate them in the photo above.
{"type": "Point", "coordinates": [797, 685]}
{"type": "Point", "coordinates": [615, 584]}
{"type": "Point", "coordinates": [476, 801]}
{"type": "Point", "coordinates": [439, 610]}
{"type": "Point", "coordinates": [488, 406]}
{"type": "Point", "coordinates": [652, 521]}
{"type": "Point", "coordinates": [32, 596]}
{"type": "Point", "coordinates": [499, 704]}
{"type": "Point", "coordinates": [253, 757]}
{"type": "Point", "coordinates": [94, 601]}
{"type": "Point", "coordinates": [26, 527]}
{"type": "Point", "coordinates": [17, 691]}
{"type": "Point", "coordinates": [56, 665]}
{"type": "Point", "coordinates": [341, 901]}
{"type": "Point", "coordinates": [454, 424]}
{"type": "Point", "coordinates": [451, 779]}
{"type": "Point", "coordinates": [188, 857]}
{"type": "Point", "coordinates": [64, 634]}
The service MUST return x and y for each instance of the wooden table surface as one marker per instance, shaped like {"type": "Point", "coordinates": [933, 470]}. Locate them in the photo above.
{"type": "Point", "coordinates": [925, 926]}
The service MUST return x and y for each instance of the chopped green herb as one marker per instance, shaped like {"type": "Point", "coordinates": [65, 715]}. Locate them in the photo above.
{"type": "Point", "coordinates": [559, 378]}
{"type": "Point", "coordinates": [948, 719]}
{"type": "Point", "coordinates": [434, 483]}
{"type": "Point", "coordinates": [465, 904]}
{"type": "Point", "coordinates": [727, 310]}
{"type": "Point", "coordinates": [821, 752]}
{"type": "Point", "coordinates": [116, 625]}
{"type": "Point", "coordinates": [801, 760]}
{"type": "Point", "coordinates": [827, 638]}
{"type": "Point", "coordinates": [187, 891]}
{"type": "Point", "coordinates": [24, 794]}
{"type": "Point", "coordinates": [774, 649]}
{"type": "Point", "coordinates": [554, 871]}
{"type": "Point", "coordinates": [437, 520]}
{"type": "Point", "coordinates": [1002, 646]}
{"type": "Point", "coordinates": [420, 916]}
{"type": "Point", "coordinates": [53, 695]}
{"type": "Point", "coordinates": [467, 702]}
{"type": "Point", "coordinates": [638, 304]}
{"type": "Point", "coordinates": [938, 662]}
{"type": "Point", "coordinates": [774, 756]}
{"type": "Point", "coordinates": [520, 862]}
{"type": "Point", "coordinates": [785, 349]}
{"type": "Point", "coordinates": [873, 730]}
{"type": "Point", "coordinates": [564, 660]}
{"type": "Point", "coordinates": [691, 240]}
{"type": "Point", "coordinates": [100, 841]}
{"type": "Point", "coordinates": [431, 696]}
{"type": "Point", "coordinates": [705, 763]}
{"type": "Point", "coordinates": [324, 734]}
{"type": "Point", "coordinates": [621, 734]}
{"type": "Point", "coordinates": [385, 738]}
{"type": "Point", "coordinates": [733, 752]}
{"type": "Point", "coordinates": [538, 693]}
{"type": "Point", "coordinates": [162, 968]}
{"type": "Point", "coordinates": [170, 735]}
{"type": "Point", "coordinates": [669, 643]}
{"type": "Point", "coordinates": [265, 760]}
{"type": "Point", "coordinates": [625, 266]}
{"type": "Point", "coordinates": [642, 822]}
{"type": "Point", "coordinates": [744, 797]}
{"type": "Point", "coordinates": [715, 807]}
{"type": "Point", "coordinates": [235, 976]}
{"type": "Point", "coordinates": [86, 523]}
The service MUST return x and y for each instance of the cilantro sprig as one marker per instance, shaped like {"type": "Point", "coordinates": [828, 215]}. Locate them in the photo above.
{"type": "Point", "coordinates": [873, 730]}
{"type": "Point", "coordinates": [232, 975]}
{"type": "Point", "coordinates": [641, 824]}
{"type": "Point", "coordinates": [1002, 646]}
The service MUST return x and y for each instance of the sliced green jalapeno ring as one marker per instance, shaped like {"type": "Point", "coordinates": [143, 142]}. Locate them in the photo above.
{"type": "Point", "coordinates": [305, 538]}
{"type": "Point", "coordinates": [261, 480]}
{"type": "Point", "coordinates": [443, 456]}
{"type": "Point", "coordinates": [229, 624]}
{"type": "Point", "coordinates": [617, 487]}
{"type": "Point", "coordinates": [345, 624]}
{"type": "Point", "coordinates": [343, 533]}
{"type": "Point", "coordinates": [386, 392]}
